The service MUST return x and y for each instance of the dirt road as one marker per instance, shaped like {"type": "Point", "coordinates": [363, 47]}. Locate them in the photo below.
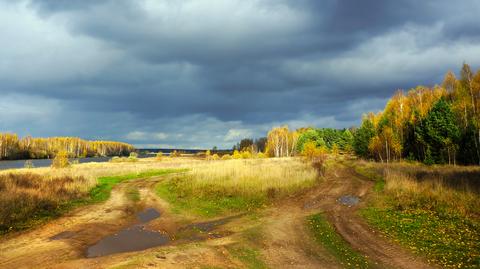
{"type": "Point", "coordinates": [193, 243]}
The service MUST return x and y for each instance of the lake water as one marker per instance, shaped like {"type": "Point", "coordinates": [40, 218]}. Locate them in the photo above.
{"type": "Point", "coordinates": [46, 162]}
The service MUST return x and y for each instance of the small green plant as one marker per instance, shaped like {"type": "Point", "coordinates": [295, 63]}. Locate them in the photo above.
{"type": "Point", "coordinates": [61, 160]}
{"type": "Point", "coordinates": [28, 164]}
{"type": "Point", "coordinates": [159, 156]}
{"type": "Point", "coordinates": [133, 157]}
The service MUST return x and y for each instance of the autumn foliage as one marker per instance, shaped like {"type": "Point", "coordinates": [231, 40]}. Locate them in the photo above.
{"type": "Point", "coordinates": [12, 147]}
{"type": "Point", "coordinates": [432, 125]}
{"type": "Point", "coordinates": [61, 160]}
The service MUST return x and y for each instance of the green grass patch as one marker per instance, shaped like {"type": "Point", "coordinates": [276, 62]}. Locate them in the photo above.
{"type": "Point", "coordinates": [379, 185]}
{"type": "Point", "coordinates": [209, 201]}
{"type": "Point", "coordinates": [104, 186]}
{"type": "Point", "coordinates": [448, 240]}
{"type": "Point", "coordinates": [248, 256]}
{"type": "Point", "coordinates": [325, 235]}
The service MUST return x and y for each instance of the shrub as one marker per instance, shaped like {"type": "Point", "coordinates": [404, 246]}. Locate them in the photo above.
{"type": "Point", "coordinates": [246, 154]}
{"type": "Point", "coordinates": [237, 155]}
{"type": "Point", "coordinates": [215, 157]}
{"type": "Point", "coordinates": [208, 155]}
{"type": "Point", "coordinates": [261, 155]}
{"type": "Point", "coordinates": [159, 156]}
{"type": "Point", "coordinates": [28, 164]}
{"type": "Point", "coordinates": [61, 160]}
{"type": "Point", "coordinates": [133, 157]}
{"type": "Point", "coordinates": [226, 157]}
{"type": "Point", "coordinates": [318, 162]}
{"type": "Point", "coordinates": [317, 156]}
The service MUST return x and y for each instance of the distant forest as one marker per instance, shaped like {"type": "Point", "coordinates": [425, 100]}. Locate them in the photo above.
{"type": "Point", "coordinates": [12, 147]}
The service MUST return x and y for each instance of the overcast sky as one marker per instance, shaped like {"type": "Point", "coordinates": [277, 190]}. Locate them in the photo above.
{"type": "Point", "coordinates": [204, 73]}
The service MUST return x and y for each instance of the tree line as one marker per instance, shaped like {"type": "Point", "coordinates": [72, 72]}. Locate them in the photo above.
{"type": "Point", "coordinates": [283, 142]}
{"type": "Point", "coordinates": [434, 125]}
{"type": "Point", "coordinates": [12, 147]}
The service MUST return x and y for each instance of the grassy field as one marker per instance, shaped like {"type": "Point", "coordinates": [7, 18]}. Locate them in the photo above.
{"type": "Point", "coordinates": [29, 197]}
{"type": "Point", "coordinates": [424, 209]}
{"type": "Point", "coordinates": [230, 185]}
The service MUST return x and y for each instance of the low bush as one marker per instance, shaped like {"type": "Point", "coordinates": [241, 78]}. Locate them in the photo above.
{"type": "Point", "coordinates": [61, 160]}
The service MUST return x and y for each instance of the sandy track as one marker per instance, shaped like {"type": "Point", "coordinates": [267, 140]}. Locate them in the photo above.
{"type": "Point", "coordinates": [364, 239]}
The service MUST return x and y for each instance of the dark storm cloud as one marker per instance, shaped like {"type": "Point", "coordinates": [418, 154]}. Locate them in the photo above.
{"type": "Point", "coordinates": [204, 73]}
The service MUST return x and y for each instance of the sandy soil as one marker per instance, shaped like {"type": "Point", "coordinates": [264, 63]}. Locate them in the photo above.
{"type": "Point", "coordinates": [286, 242]}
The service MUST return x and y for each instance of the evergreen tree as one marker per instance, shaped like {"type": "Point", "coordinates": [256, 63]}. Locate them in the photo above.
{"type": "Point", "coordinates": [439, 133]}
{"type": "Point", "coordinates": [362, 137]}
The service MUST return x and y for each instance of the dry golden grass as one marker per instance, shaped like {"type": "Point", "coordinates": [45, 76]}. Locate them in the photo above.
{"type": "Point", "coordinates": [431, 194]}
{"type": "Point", "coordinates": [212, 187]}
{"type": "Point", "coordinates": [26, 196]}
{"type": "Point", "coordinates": [248, 176]}
{"type": "Point", "coordinates": [441, 188]}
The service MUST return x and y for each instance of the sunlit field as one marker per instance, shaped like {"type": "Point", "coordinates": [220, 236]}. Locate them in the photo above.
{"type": "Point", "coordinates": [251, 176]}
{"type": "Point", "coordinates": [228, 185]}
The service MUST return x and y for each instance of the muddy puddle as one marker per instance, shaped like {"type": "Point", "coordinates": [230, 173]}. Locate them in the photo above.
{"type": "Point", "coordinates": [133, 238]}
{"type": "Point", "coordinates": [348, 200]}
{"type": "Point", "coordinates": [148, 215]}
{"type": "Point", "coordinates": [138, 237]}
